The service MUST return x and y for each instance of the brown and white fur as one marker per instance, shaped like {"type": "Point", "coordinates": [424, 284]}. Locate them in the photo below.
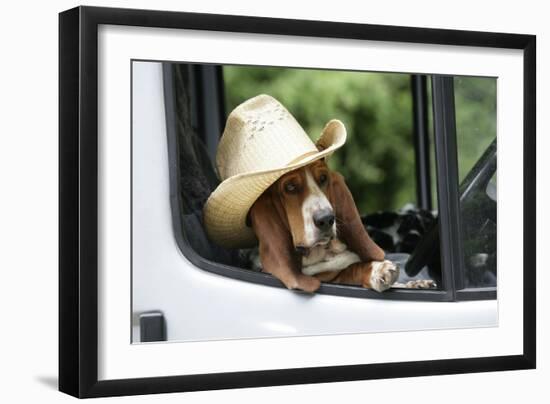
{"type": "Point", "coordinates": [310, 231]}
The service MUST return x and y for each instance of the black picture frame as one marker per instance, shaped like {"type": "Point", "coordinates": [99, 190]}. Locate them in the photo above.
{"type": "Point", "coordinates": [78, 200]}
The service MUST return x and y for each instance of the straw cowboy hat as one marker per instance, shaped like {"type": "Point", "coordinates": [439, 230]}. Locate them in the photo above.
{"type": "Point", "coordinates": [261, 142]}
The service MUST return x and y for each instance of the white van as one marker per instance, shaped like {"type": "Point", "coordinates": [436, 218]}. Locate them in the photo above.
{"type": "Point", "coordinates": [184, 288]}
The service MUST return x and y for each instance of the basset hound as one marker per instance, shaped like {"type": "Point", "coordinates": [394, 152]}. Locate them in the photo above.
{"type": "Point", "coordinates": [310, 231]}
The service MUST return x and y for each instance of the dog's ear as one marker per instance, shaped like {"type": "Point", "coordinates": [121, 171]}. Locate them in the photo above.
{"type": "Point", "coordinates": [349, 227]}
{"type": "Point", "coordinates": [277, 253]}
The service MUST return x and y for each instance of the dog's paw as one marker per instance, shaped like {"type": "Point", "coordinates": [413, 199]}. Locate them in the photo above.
{"type": "Point", "coordinates": [421, 284]}
{"type": "Point", "coordinates": [383, 275]}
{"type": "Point", "coordinates": [305, 283]}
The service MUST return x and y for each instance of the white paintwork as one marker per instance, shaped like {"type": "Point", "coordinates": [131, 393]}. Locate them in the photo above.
{"type": "Point", "coordinates": [199, 305]}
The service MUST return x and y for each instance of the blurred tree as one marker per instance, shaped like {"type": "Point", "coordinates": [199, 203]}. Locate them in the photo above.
{"type": "Point", "coordinates": [378, 158]}
{"type": "Point", "coordinates": [476, 118]}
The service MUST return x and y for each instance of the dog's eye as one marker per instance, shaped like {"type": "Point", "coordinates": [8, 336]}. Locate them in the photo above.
{"type": "Point", "coordinates": [323, 179]}
{"type": "Point", "coordinates": [291, 187]}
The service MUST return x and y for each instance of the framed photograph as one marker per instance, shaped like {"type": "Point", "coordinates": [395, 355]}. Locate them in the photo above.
{"type": "Point", "coordinates": [252, 201]}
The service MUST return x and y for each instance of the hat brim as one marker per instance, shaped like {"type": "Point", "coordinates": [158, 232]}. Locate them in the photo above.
{"type": "Point", "coordinates": [226, 209]}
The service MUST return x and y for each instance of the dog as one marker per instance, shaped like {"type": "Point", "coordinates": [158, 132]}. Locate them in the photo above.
{"type": "Point", "coordinates": [276, 188]}
{"type": "Point", "coordinates": [309, 231]}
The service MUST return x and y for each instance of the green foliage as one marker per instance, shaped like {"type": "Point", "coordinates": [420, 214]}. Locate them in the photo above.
{"type": "Point", "coordinates": [378, 158]}
{"type": "Point", "coordinates": [476, 123]}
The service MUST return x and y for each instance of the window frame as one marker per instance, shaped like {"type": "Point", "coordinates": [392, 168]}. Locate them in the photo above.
{"type": "Point", "coordinates": [449, 214]}
{"type": "Point", "coordinates": [421, 140]}
{"type": "Point", "coordinates": [208, 78]}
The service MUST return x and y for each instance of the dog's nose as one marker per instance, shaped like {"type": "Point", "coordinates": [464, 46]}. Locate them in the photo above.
{"type": "Point", "coordinates": [324, 219]}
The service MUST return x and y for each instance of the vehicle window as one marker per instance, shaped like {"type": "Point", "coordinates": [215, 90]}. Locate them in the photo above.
{"type": "Point", "coordinates": [475, 105]}
{"type": "Point", "coordinates": [378, 157]}
{"type": "Point", "coordinates": [491, 189]}
{"type": "Point", "coordinates": [377, 161]}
